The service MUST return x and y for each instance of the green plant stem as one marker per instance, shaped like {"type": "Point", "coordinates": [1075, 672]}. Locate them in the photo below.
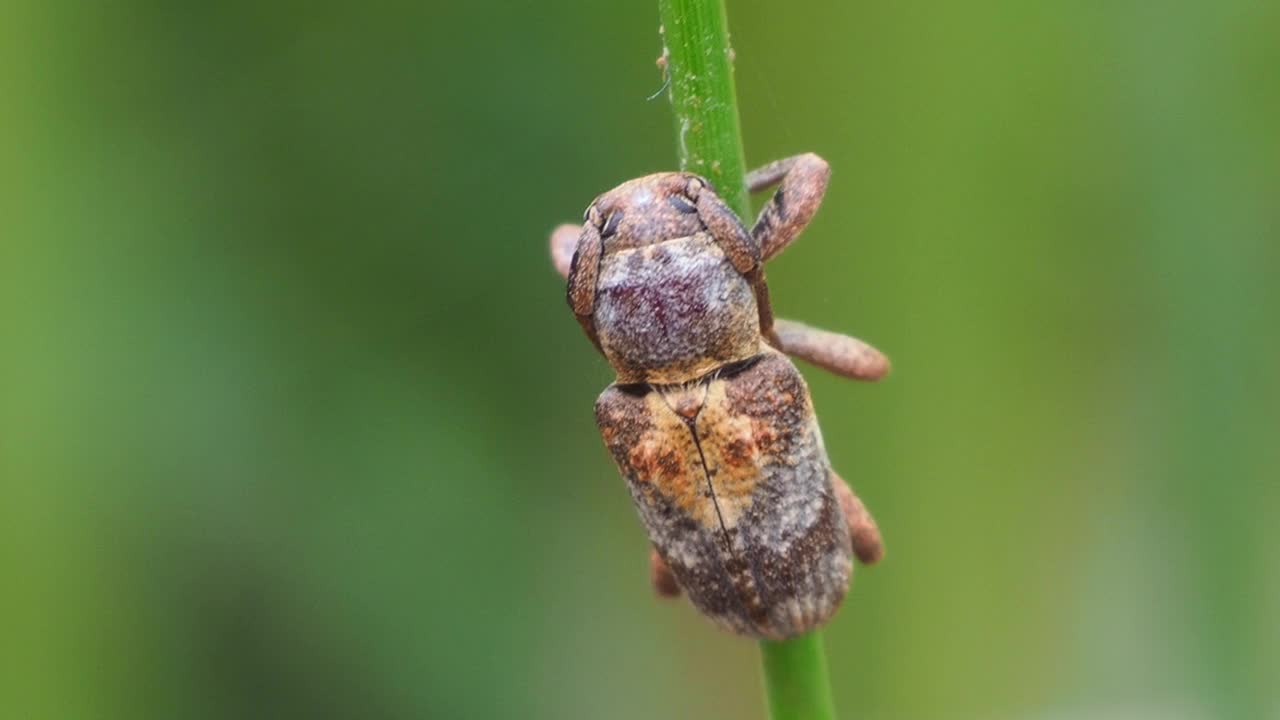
{"type": "Point", "coordinates": [700, 66]}
{"type": "Point", "coordinates": [796, 679]}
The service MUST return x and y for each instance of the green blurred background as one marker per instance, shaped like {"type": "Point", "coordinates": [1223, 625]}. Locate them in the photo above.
{"type": "Point", "coordinates": [294, 421]}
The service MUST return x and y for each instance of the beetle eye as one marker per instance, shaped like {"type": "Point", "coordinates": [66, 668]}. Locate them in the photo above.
{"type": "Point", "coordinates": [682, 204]}
{"type": "Point", "coordinates": [611, 225]}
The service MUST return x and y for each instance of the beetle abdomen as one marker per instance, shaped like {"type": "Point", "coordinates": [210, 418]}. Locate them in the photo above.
{"type": "Point", "coordinates": [731, 481]}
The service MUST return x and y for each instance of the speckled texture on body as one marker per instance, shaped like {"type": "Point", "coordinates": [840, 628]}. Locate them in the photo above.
{"type": "Point", "coordinates": [674, 310]}
{"type": "Point", "coordinates": [711, 426]}
{"type": "Point", "coordinates": [731, 480]}
{"type": "Point", "coordinates": [665, 280]}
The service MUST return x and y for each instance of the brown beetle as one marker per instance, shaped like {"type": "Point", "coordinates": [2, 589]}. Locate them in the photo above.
{"type": "Point", "coordinates": [709, 422]}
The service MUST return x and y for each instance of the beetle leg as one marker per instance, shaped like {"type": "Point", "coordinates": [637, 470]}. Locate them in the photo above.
{"type": "Point", "coordinates": [582, 270]}
{"type": "Point", "coordinates": [863, 531]}
{"type": "Point", "coordinates": [664, 581]}
{"type": "Point", "coordinates": [803, 181]}
{"type": "Point", "coordinates": [564, 240]}
{"type": "Point", "coordinates": [843, 355]}
{"type": "Point", "coordinates": [738, 245]}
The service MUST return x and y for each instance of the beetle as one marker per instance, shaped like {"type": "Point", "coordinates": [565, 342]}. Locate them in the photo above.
{"type": "Point", "coordinates": [708, 420]}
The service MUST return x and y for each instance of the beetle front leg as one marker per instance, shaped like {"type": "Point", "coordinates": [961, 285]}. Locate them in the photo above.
{"type": "Point", "coordinates": [803, 181]}
{"type": "Point", "coordinates": [660, 575]}
{"type": "Point", "coordinates": [575, 252]}
{"type": "Point", "coordinates": [738, 245]}
{"type": "Point", "coordinates": [841, 354]}
{"type": "Point", "coordinates": [863, 531]}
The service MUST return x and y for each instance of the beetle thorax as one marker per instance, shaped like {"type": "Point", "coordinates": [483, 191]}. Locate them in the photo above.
{"type": "Point", "coordinates": [674, 311]}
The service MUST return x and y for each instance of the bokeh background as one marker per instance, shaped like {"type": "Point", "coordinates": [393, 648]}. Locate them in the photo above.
{"type": "Point", "coordinates": [294, 421]}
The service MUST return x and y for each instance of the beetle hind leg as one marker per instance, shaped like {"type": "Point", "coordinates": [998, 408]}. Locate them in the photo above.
{"type": "Point", "coordinates": [863, 531]}
{"type": "Point", "coordinates": [664, 581]}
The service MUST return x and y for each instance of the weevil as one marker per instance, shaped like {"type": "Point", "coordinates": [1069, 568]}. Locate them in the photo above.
{"type": "Point", "coordinates": [708, 420]}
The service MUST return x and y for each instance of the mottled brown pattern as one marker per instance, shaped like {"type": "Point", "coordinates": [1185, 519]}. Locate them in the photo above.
{"type": "Point", "coordinates": [712, 428]}
{"type": "Point", "coordinates": [751, 530]}
{"type": "Point", "coordinates": [793, 530]}
{"type": "Point", "coordinates": [669, 312]}
{"type": "Point", "coordinates": [665, 460]}
{"type": "Point", "coordinates": [691, 548]}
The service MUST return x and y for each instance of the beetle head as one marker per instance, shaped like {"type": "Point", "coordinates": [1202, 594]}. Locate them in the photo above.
{"type": "Point", "coordinates": [669, 306]}
{"type": "Point", "coordinates": [648, 210]}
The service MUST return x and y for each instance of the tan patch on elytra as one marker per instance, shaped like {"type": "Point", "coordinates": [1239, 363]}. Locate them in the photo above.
{"type": "Point", "coordinates": [732, 453]}
{"type": "Point", "coordinates": [666, 459]}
